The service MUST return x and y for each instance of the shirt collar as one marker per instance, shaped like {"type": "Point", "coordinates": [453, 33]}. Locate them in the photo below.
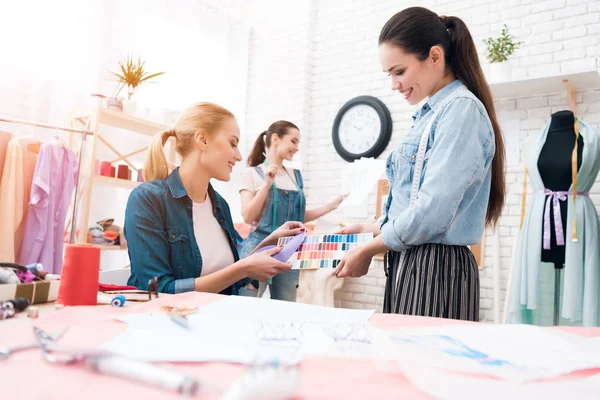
{"type": "Point", "coordinates": [178, 191]}
{"type": "Point", "coordinates": [442, 94]}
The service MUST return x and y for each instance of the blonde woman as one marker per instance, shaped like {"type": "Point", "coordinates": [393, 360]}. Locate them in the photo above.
{"type": "Point", "coordinates": [178, 228]}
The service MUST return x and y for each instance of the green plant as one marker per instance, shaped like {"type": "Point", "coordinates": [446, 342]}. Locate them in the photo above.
{"type": "Point", "coordinates": [501, 48]}
{"type": "Point", "coordinates": [132, 75]}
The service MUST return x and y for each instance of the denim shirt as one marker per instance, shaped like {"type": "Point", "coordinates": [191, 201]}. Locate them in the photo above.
{"type": "Point", "coordinates": [160, 237]}
{"type": "Point", "coordinates": [455, 182]}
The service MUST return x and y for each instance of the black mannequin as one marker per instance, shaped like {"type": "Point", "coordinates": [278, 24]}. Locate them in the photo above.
{"type": "Point", "coordinates": [554, 164]}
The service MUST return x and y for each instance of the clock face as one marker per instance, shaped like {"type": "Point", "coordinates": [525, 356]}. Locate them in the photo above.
{"type": "Point", "coordinates": [359, 129]}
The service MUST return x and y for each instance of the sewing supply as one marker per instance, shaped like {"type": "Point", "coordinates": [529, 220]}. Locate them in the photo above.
{"type": "Point", "coordinates": [19, 304]}
{"type": "Point", "coordinates": [5, 352]}
{"type": "Point", "coordinates": [178, 314]}
{"type": "Point", "coordinates": [118, 301]}
{"type": "Point", "coordinates": [6, 313]}
{"type": "Point", "coordinates": [289, 247]}
{"type": "Point", "coordinates": [33, 312]}
{"type": "Point", "coordinates": [79, 276]}
{"type": "Point", "coordinates": [271, 381]}
{"type": "Point", "coordinates": [123, 171]}
{"type": "Point", "coordinates": [8, 276]}
{"type": "Point", "coordinates": [323, 251]}
{"type": "Point", "coordinates": [105, 169]}
{"type": "Point", "coordinates": [143, 372]}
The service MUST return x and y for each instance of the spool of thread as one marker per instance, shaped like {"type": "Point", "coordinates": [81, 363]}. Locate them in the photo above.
{"type": "Point", "coordinates": [118, 301]}
{"type": "Point", "coordinates": [140, 177]}
{"type": "Point", "coordinates": [19, 304]}
{"type": "Point", "coordinates": [33, 312]}
{"type": "Point", "coordinates": [79, 276]}
{"type": "Point", "coordinates": [113, 171]}
{"type": "Point", "coordinates": [105, 168]}
{"type": "Point", "coordinates": [97, 166]}
{"type": "Point", "coordinates": [123, 172]}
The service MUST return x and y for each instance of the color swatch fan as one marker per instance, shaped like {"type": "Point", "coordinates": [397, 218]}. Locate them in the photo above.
{"type": "Point", "coordinates": [324, 251]}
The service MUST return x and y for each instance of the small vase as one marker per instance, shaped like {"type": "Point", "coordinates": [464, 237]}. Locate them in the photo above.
{"type": "Point", "coordinates": [500, 72]}
{"type": "Point", "coordinates": [129, 107]}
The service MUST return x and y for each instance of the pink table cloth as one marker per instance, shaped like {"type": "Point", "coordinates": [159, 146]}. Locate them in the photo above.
{"type": "Point", "coordinates": [25, 375]}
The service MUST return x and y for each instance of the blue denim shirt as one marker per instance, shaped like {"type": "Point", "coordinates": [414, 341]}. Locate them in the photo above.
{"type": "Point", "coordinates": [455, 183]}
{"type": "Point", "coordinates": [160, 235]}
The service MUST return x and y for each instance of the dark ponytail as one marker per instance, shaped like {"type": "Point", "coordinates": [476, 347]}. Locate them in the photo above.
{"type": "Point", "coordinates": [257, 155]}
{"type": "Point", "coordinates": [416, 30]}
{"type": "Point", "coordinates": [263, 141]}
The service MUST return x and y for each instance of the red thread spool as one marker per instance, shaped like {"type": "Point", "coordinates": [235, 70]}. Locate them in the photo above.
{"type": "Point", "coordinates": [113, 171]}
{"type": "Point", "coordinates": [123, 172]}
{"type": "Point", "coordinates": [79, 276]}
{"type": "Point", "coordinates": [105, 169]}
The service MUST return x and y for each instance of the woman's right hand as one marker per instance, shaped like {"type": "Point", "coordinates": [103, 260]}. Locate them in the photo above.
{"type": "Point", "coordinates": [262, 266]}
{"type": "Point", "coordinates": [270, 174]}
{"type": "Point", "coordinates": [350, 229]}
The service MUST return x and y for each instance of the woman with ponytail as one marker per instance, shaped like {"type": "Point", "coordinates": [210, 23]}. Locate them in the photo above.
{"type": "Point", "coordinates": [178, 228]}
{"type": "Point", "coordinates": [455, 149]}
{"type": "Point", "coordinates": [272, 194]}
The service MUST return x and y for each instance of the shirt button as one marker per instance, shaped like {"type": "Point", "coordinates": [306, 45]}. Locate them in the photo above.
{"type": "Point", "coordinates": [172, 236]}
{"type": "Point", "coordinates": [413, 157]}
{"type": "Point", "coordinates": [221, 221]}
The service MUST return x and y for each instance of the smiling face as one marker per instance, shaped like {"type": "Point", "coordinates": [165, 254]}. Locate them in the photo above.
{"type": "Point", "coordinates": [220, 150]}
{"type": "Point", "coordinates": [287, 145]}
{"type": "Point", "coordinates": [412, 78]}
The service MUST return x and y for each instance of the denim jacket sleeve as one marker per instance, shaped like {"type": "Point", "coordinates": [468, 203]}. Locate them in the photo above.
{"type": "Point", "coordinates": [148, 245]}
{"type": "Point", "coordinates": [462, 146]}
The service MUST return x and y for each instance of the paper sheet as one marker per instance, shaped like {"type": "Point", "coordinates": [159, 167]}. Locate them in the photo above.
{"type": "Point", "coordinates": [514, 352]}
{"type": "Point", "coordinates": [358, 180]}
{"type": "Point", "coordinates": [244, 308]}
{"type": "Point", "coordinates": [248, 330]}
{"type": "Point", "coordinates": [447, 386]}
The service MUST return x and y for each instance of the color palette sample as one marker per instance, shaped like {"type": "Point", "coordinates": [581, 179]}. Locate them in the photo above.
{"type": "Point", "coordinates": [324, 251]}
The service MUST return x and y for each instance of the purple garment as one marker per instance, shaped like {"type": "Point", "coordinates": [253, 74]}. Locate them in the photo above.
{"type": "Point", "coordinates": [54, 179]}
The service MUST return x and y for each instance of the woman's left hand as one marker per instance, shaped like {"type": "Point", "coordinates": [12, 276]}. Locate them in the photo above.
{"type": "Point", "coordinates": [290, 228]}
{"type": "Point", "coordinates": [354, 264]}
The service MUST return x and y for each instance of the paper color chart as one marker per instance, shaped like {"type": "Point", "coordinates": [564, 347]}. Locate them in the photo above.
{"type": "Point", "coordinates": [324, 251]}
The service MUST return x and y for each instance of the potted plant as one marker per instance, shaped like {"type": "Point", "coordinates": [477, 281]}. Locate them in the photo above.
{"type": "Point", "coordinates": [498, 51]}
{"type": "Point", "coordinates": [132, 75]}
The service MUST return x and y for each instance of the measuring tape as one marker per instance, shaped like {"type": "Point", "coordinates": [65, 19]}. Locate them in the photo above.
{"type": "Point", "coordinates": [416, 183]}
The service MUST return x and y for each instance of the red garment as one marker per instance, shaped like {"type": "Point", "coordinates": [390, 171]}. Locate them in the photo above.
{"type": "Point", "coordinates": [105, 287]}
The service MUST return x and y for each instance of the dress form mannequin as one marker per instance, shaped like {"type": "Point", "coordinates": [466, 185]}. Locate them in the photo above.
{"type": "Point", "coordinates": [555, 166]}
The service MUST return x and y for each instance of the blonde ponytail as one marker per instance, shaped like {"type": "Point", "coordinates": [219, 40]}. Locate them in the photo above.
{"type": "Point", "coordinates": [156, 165]}
{"type": "Point", "coordinates": [206, 117]}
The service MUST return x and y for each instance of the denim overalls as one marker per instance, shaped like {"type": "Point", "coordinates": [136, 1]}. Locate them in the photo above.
{"type": "Point", "coordinates": [289, 205]}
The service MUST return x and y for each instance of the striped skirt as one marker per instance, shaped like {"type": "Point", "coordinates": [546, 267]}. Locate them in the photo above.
{"type": "Point", "coordinates": [434, 280]}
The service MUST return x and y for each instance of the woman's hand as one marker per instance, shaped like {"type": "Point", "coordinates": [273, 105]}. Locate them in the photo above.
{"type": "Point", "coordinates": [290, 228]}
{"type": "Point", "coordinates": [351, 229]}
{"type": "Point", "coordinates": [270, 174]}
{"type": "Point", "coordinates": [354, 264]}
{"type": "Point", "coordinates": [337, 201]}
{"type": "Point", "coordinates": [262, 266]}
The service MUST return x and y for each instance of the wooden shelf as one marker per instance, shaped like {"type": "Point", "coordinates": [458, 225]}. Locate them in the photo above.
{"type": "Point", "coordinates": [119, 119]}
{"type": "Point", "coordinates": [122, 183]}
{"type": "Point", "coordinates": [588, 80]}
{"type": "Point", "coordinates": [108, 247]}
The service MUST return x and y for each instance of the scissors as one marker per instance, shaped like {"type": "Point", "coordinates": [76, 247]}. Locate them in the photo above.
{"type": "Point", "coordinates": [48, 344]}
{"type": "Point", "coordinates": [6, 352]}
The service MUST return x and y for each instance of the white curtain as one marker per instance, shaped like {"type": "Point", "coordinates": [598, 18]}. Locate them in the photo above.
{"type": "Point", "coordinates": [55, 54]}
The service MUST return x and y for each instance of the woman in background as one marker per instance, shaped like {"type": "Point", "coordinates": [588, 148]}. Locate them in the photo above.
{"type": "Point", "coordinates": [177, 227]}
{"type": "Point", "coordinates": [272, 194]}
{"type": "Point", "coordinates": [427, 227]}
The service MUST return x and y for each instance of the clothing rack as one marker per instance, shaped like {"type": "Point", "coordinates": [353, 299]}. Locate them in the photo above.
{"type": "Point", "coordinates": [84, 133]}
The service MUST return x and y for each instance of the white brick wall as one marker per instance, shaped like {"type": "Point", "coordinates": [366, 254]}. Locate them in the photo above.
{"type": "Point", "coordinates": [336, 59]}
